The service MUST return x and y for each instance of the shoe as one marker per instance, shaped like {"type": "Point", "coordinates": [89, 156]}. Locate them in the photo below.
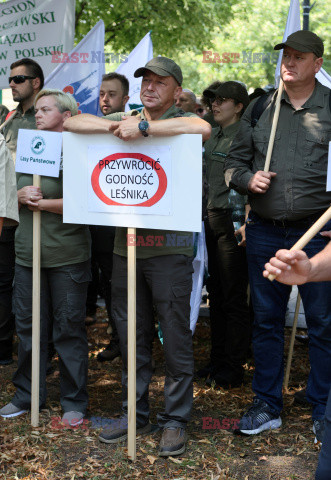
{"type": "Point", "coordinates": [118, 430]}
{"type": "Point", "coordinates": [10, 410]}
{"type": "Point", "coordinates": [172, 442]}
{"type": "Point", "coordinates": [73, 418]}
{"type": "Point", "coordinates": [300, 397]}
{"type": "Point", "coordinates": [6, 361]}
{"type": "Point", "coordinates": [111, 352]}
{"type": "Point", "coordinates": [259, 417]}
{"type": "Point", "coordinates": [319, 430]}
{"type": "Point", "coordinates": [225, 381]}
{"type": "Point", "coordinates": [206, 371]}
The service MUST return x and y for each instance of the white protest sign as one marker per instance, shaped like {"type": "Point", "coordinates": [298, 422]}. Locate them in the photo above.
{"type": "Point", "coordinates": [328, 182]}
{"type": "Point", "coordinates": [38, 152]}
{"type": "Point", "coordinates": [35, 29]}
{"type": "Point", "coordinates": [147, 183]}
{"type": "Point", "coordinates": [127, 182]}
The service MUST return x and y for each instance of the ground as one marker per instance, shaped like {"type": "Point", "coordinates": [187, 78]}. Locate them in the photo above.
{"type": "Point", "coordinates": [53, 452]}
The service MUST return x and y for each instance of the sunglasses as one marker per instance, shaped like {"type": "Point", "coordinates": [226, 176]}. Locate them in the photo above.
{"type": "Point", "coordinates": [19, 78]}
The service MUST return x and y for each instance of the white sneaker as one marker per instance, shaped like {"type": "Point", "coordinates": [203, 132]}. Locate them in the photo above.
{"type": "Point", "coordinates": [72, 418]}
{"type": "Point", "coordinates": [10, 410]}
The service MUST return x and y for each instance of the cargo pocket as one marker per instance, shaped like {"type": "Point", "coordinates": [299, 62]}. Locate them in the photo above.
{"type": "Point", "coordinates": [316, 149]}
{"type": "Point", "coordinates": [181, 301]}
{"type": "Point", "coordinates": [76, 298]}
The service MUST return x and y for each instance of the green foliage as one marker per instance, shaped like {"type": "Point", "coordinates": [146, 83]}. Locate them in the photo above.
{"type": "Point", "coordinates": [176, 24]}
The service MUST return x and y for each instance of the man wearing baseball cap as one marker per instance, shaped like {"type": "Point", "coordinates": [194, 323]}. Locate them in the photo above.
{"type": "Point", "coordinates": [285, 202]}
{"type": "Point", "coordinates": [227, 282]}
{"type": "Point", "coordinates": [164, 272]}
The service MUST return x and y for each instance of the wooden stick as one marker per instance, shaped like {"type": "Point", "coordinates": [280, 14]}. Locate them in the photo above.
{"type": "Point", "coordinates": [314, 229]}
{"type": "Point", "coordinates": [8, 120]}
{"type": "Point", "coordinates": [35, 372]}
{"type": "Point", "coordinates": [290, 350]}
{"type": "Point", "coordinates": [274, 127]}
{"type": "Point", "coordinates": [131, 345]}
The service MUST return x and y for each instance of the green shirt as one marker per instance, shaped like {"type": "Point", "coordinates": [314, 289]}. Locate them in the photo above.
{"type": "Point", "coordinates": [216, 149]}
{"type": "Point", "coordinates": [61, 243]}
{"type": "Point", "coordinates": [10, 132]}
{"type": "Point", "coordinates": [152, 243]}
{"type": "Point", "coordinates": [8, 191]}
{"type": "Point", "coordinates": [299, 157]}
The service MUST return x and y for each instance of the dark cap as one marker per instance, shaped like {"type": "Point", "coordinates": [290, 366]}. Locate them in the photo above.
{"type": "Point", "coordinates": [303, 41]}
{"type": "Point", "coordinates": [162, 66]}
{"type": "Point", "coordinates": [234, 90]}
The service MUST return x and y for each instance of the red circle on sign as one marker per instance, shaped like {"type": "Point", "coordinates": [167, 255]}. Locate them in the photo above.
{"type": "Point", "coordinates": [95, 180]}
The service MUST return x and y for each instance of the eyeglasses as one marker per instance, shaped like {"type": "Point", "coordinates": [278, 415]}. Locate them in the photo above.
{"type": "Point", "coordinates": [19, 78]}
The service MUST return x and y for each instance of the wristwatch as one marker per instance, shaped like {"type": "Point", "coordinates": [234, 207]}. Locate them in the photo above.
{"type": "Point", "coordinates": [143, 126]}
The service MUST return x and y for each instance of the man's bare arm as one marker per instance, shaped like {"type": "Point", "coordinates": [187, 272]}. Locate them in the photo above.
{"type": "Point", "coordinates": [87, 123]}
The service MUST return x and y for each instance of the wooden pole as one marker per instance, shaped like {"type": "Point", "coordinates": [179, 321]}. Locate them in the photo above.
{"type": "Point", "coordinates": [274, 127]}
{"type": "Point", "coordinates": [314, 229]}
{"type": "Point", "coordinates": [35, 371]}
{"type": "Point", "coordinates": [131, 344]}
{"type": "Point", "coordinates": [290, 350]}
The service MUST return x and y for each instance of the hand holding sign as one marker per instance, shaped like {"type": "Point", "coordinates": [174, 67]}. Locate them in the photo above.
{"type": "Point", "coordinates": [29, 196]}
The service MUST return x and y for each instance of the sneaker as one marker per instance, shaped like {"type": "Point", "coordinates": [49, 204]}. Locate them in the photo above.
{"type": "Point", "coordinates": [10, 410]}
{"type": "Point", "coordinates": [259, 417]}
{"type": "Point", "coordinates": [73, 418]}
{"type": "Point", "coordinates": [111, 352]}
{"type": "Point", "coordinates": [319, 429]}
{"type": "Point", "coordinates": [173, 442]}
{"type": "Point", "coordinates": [118, 430]}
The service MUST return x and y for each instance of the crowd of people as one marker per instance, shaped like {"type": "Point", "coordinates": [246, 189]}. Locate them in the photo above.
{"type": "Point", "coordinates": [248, 215]}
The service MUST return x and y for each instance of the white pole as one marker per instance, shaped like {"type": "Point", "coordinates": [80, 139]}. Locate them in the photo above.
{"type": "Point", "coordinates": [35, 370]}
{"type": "Point", "coordinates": [131, 345]}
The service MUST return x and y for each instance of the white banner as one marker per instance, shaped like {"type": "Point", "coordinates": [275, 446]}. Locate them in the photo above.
{"type": "Point", "coordinates": [80, 71]}
{"type": "Point", "coordinates": [34, 29]}
{"type": "Point", "coordinates": [38, 152]}
{"type": "Point", "coordinates": [139, 56]}
{"type": "Point", "coordinates": [166, 171]}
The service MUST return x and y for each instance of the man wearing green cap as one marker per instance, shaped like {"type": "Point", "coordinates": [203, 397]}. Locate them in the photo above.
{"type": "Point", "coordinates": [164, 272]}
{"type": "Point", "coordinates": [285, 202]}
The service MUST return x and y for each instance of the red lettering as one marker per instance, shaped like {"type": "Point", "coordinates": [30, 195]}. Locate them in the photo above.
{"type": "Point", "coordinates": [131, 240]}
{"type": "Point", "coordinates": [216, 424]}
{"type": "Point", "coordinates": [65, 58]}
{"type": "Point", "coordinates": [74, 58]}
{"type": "Point", "coordinates": [226, 57]}
{"type": "Point", "coordinates": [206, 57]}
{"type": "Point", "coordinates": [234, 56]}
{"type": "Point", "coordinates": [149, 241]}
{"type": "Point", "coordinates": [159, 240]}
{"type": "Point", "coordinates": [217, 58]}
{"type": "Point", "coordinates": [140, 241]}
{"type": "Point", "coordinates": [56, 57]}
{"type": "Point", "coordinates": [84, 56]}
{"type": "Point", "coordinates": [225, 423]}
{"type": "Point", "coordinates": [206, 423]}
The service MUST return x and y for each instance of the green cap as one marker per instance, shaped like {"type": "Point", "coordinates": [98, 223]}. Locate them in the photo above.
{"type": "Point", "coordinates": [234, 90]}
{"type": "Point", "coordinates": [162, 66]}
{"type": "Point", "coordinates": [303, 41]}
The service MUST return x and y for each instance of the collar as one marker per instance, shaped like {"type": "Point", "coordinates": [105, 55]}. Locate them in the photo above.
{"type": "Point", "coordinates": [316, 99]}
{"type": "Point", "coordinates": [29, 111]}
{"type": "Point", "coordinates": [227, 131]}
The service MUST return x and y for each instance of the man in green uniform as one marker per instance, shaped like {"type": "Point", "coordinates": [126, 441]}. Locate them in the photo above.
{"type": "Point", "coordinates": [26, 79]}
{"type": "Point", "coordinates": [227, 284]}
{"type": "Point", "coordinates": [285, 202]}
{"type": "Point", "coordinates": [164, 271]}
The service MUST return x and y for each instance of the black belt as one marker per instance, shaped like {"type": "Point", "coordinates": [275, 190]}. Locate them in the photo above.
{"type": "Point", "coordinates": [304, 223]}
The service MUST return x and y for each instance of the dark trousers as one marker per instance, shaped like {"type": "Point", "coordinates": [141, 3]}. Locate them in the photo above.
{"type": "Point", "coordinates": [323, 471]}
{"type": "Point", "coordinates": [7, 268]}
{"type": "Point", "coordinates": [63, 292]}
{"type": "Point", "coordinates": [269, 302]}
{"type": "Point", "coordinates": [227, 288]}
{"type": "Point", "coordinates": [165, 281]}
{"type": "Point", "coordinates": [102, 258]}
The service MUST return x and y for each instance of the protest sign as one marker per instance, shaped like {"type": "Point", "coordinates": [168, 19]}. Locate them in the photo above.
{"type": "Point", "coordinates": [34, 29]}
{"type": "Point", "coordinates": [148, 183]}
{"type": "Point", "coordinates": [38, 152]}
